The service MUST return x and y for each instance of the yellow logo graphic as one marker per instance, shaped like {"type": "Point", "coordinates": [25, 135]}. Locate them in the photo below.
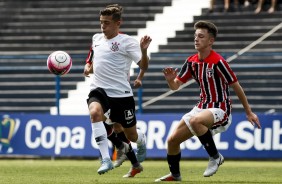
{"type": "Point", "coordinates": [8, 129]}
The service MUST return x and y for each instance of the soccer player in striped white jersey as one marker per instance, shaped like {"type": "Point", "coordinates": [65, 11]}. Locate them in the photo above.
{"type": "Point", "coordinates": [212, 114]}
{"type": "Point", "coordinates": [111, 96]}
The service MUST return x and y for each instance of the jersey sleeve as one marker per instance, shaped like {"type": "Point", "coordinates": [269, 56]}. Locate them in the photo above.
{"type": "Point", "coordinates": [185, 73]}
{"type": "Point", "coordinates": [133, 49]}
{"type": "Point", "coordinates": [226, 72]}
{"type": "Point", "coordinates": [90, 55]}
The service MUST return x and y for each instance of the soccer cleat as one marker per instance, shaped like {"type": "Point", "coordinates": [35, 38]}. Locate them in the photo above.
{"type": "Point", "coordinates": [133, 171]}
{"type": "Point", "coordinates": [169, 177]}
{"type": "Point", "coordinates": [121, 155]}
{"type": "Point", "coordinates": [141, 151]}
{"type": "Point", "coordinates": [213, 165]}
{"type": "Point", "coordinates": [106, 165]}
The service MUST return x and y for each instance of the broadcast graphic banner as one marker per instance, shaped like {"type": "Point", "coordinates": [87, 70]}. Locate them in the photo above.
{"type": "Point", "coordinates": [70, 136]}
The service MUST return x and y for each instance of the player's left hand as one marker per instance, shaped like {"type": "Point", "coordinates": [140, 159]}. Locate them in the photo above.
{"type": "Point", "coordinates": [137, 83]}
{"type": "Point", "coordinates": [145, 42]}
{"type": "Point", "coordinates": [88, 68]}
{"type": "Point", "coordinates": [253, 118]}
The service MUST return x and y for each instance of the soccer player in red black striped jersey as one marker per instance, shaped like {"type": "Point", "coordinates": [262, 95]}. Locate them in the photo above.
{"type": "Point", "coordinates": [212, 114]}
{"type": "Point", "coordinates": [111, 95]}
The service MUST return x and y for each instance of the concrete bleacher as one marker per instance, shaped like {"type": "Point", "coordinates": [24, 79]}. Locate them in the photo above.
{"type": "Point", "coordinates": [31, 30]}
{"type": "Point", "coordinates": [39, 27]}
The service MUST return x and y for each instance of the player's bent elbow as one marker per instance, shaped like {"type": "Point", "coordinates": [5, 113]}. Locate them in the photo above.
{"type": "Point", "coordinates": [144, 68]}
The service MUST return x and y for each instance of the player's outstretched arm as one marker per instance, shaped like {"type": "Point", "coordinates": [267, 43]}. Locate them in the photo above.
{"type": "Point", "coordinates": [144, 44]}
{"type": "Point", "coordinates": [252, 117]}
{"type": "Point", "coordinates": [170, 76]}
{"type": "Point", "coordinates": [138, 80]}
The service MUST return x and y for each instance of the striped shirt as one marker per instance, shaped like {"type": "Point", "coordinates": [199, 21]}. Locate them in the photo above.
{"type": "Point", "coordinates": [213, 75]}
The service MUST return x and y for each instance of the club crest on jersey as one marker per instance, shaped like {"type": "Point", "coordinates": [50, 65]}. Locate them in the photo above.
{"type": "Point", "coordinates": [210, 72]}
{"type": "Point", "coordinates": [115, 46]}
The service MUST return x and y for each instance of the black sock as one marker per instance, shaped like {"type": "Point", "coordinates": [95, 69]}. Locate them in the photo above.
{"type": "Point", "coordinates": [173, 163]}
{"type": "Point", "coordinates": [109, 128]}
{"type": "Point", "coordinates": [132, 157]}
{"type": "Point", "coordinates": [115, 140]}
{"type": "Point", "coordinates": [122, 137]}
{"type": "Point", "coordinates": [208, 142]}
{"type": "Point", "coordinates": [130, 154]}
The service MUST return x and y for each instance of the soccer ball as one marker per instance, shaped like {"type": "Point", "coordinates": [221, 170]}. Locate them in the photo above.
{"type": "Point", "coordinates": [59, 63]}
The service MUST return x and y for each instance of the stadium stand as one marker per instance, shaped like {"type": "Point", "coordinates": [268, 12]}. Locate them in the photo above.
{"type": "Point", "coordinates": [32, 29]}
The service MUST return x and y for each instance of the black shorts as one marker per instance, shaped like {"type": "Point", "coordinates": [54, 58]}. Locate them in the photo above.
{"type": "Point", "coordinates": [122, 109]}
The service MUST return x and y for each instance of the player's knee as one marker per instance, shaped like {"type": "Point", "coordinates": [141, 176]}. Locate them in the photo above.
{"type": "Point", "coordinates": [194, 122]}
{"type": "Point", "coordinates": [95, 115]}
{"type": "Point", "coordinates": [172, 141]}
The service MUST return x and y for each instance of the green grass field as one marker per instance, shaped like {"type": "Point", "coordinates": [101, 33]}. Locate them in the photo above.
{"type": "Point", "coordinates": [84, 171]}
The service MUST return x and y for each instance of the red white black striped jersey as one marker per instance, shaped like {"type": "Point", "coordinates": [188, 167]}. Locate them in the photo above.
{"type": "Point", "coordinates": [213, 75]}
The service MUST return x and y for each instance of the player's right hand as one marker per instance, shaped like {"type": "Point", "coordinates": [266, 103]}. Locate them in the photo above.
{"type": "Point", "coordinates": [170, 73]}
{"type": "Point", "coordinates": [137, 83]}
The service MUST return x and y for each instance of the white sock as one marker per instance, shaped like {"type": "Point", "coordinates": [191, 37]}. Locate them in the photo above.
{"type": "Point", "coordinates": [100, 135]}
{"type": "Point", "coordinates": [141, 137]}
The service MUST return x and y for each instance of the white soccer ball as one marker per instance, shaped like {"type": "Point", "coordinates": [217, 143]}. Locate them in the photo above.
{"type": "Point", "coordinates": [59, 63]}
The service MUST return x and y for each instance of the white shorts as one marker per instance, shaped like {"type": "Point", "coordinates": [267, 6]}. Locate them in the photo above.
{"type": "Point", "coordinates": [221, 120]}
